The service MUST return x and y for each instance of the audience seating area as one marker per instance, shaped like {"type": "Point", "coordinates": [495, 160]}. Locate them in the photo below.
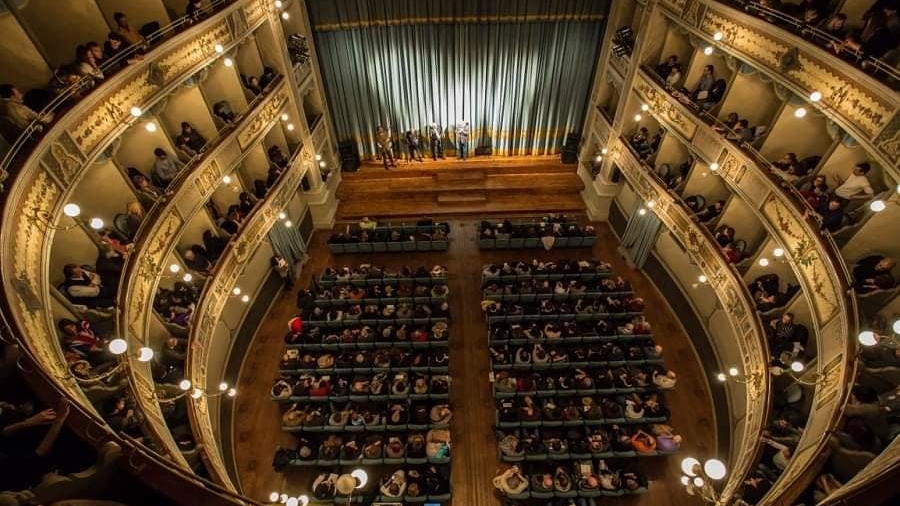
{"type": "Point", "coordinates": [553, 231]}
{"type": "Point", "coordinates": [577, 378]}
{"type": "Point", "coordinates": [365, 381]}
{"type": "Point", "coordinates": [370, 236]}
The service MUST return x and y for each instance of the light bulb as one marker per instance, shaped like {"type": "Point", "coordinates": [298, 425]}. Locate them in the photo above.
{"type": "Point", "coordinates": [197, 393]}
{"type": "Point", "coordinates": [645, 107]}
{"type": "Point", "coordinates": [598, 158]}
{"type": "Point", "coordinates": [223, 386]}
{"type": "Point", "coordinates": [714, 166]}
{"type": "Point", "coordinates": [815, 96]}
{"type": "Point", "coordinates": [245, 299]}
{"type": "Point", "coordinates": [867, 338]}
{"type": "Point", "coordinates": [698, 482]}
{"type": "Point", "coordinates": [226, 179]}
{"type": "Point", "coordinates": [71, 210]}
{"type": "Point", "coordinates": [219, 48]}
{"type": "Point", "coordinates": [896, 327]}
{"type": "Point", "coordinates": [184, 384]}
{"type": "Point", "coordinates": [778, 252]}
{"type": "Point", "coordinates": [284, 116]}
{"type": "Point", "coordinates": [701, 278]}
{"type": "Point", "coordinates": [322, 164]}
{"type": "Point", "coordinates": [278, 4]}
{"type": "Point", "coordinates": [285, 16]}
{"type": "Point", "coordinates": [136, 111]}
{"type": "Point", "coordinates": [145, 354]}
{"type": "Point", "coordinates": [318, 157]}
{"type": "Point", "coordinates": [685, 480]}
{"type": "Point", "coordinates": [714, 468]}
{"type": "Point", "coordinates": [797, 366]}
{"type": "Point", "coordinates": [281, 215]}
{"type": "Point", "coordinates": [898, 188]}
{"type": "Point", "coordinates": [150, 126]}
{"type": "Point", "coordinates": [273, 497]}
{"type": "Point", "coordinates": [721, 377]}
{"type": "Point", "coordinates": [290, 127]}
{"type": "Point", "coordinates": [231, 392]}
{"type": "Point", "coordinates": [717, 36]}
{"type": "Point", "coordinates": [228, 62]}
{"type": "Point", "coordinates": [361, 477]}
{"type": "Point", "coordinates": [118, 346]}
{"type": "Point", "coordinates": [763, 261]}
{"type": "Point", "coordinates": [283, 498]}
{"type": "Point", "coordinates": [877, 206]}
{"type": "Point", "coordinates": [288, 223]}
{"type": "Point", "coordinates": [642, 211]}
{"type": "Point", "coordinates": [188, 277]}
{"type": "Point", "coordinates": [638, 117]}
{"type": "Point", "coordinates": [687, 466]}
{"type": "Point", "coordinates": [604, 151]}
{"type": "Point", "coordinates": [292, 501]}
{"type": "Point", "coordinates": [174, 268]}
{"type": "Point", "coordinates": [733, 371]}
{"type": "Point", "coordinates": [650, 204]}
{"type": "Point", "coordinates": [708, 50]}
{"type": "Point", "coordinates": [800, 112]}
{"type": "Point", "coordinates": [236, 290]}
{"type": "Point", "coordinates": [96, 223]}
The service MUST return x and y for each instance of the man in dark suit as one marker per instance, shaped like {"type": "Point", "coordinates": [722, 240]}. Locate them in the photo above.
{"type": "Point", "coordinates": [412, 144]}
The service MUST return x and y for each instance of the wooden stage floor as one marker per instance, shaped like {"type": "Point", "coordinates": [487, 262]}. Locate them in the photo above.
{"type": "Point", "coordinates": [474, 458]}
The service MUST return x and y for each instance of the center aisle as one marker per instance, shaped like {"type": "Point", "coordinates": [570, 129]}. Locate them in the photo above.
{"type": "Point", "coordinates": [257, 429]}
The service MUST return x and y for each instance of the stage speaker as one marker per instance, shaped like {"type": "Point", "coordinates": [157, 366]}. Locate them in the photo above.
{"type": "Point", "coordinates": [569, 153]}
{"type": "Point", "coordinates": [483, 151]}
{"type": "Point", "coordinates": [350, 161]}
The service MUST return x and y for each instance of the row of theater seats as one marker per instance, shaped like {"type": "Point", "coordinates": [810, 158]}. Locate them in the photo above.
{"type": "Point", "coordinates": [552, 231]}
{"type": "Point", "coordinates": [364, 379]}
{"type": "Point", "coordinates": [577, 379]}
{"type": "Point", "coordinates": [371, 237]}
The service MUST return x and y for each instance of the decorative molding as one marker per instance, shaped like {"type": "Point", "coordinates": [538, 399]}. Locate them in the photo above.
{"type": "Point", "coordinates": [661, 104]}
{"type": "Point", "coordinates": [194, 52]}
{"type": "Point", "coordinates": [113, 111]}
{"type": "Point", "coordinates": [255, 11]}
{"type": "Point", "coordinates": [262, 119]}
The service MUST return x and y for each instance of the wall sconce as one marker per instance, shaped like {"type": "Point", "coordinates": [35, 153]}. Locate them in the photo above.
{"type": "Point", "coordinates": [734, 375]}
{"type": "Point", "coordinates": [870, 338]}
{"type": "Point", "coordinates": [645, 107]}
{"type": "Point", "coordinates": [638, 117]}
{"type": "Point", "coordinates": [714, 166]}
{"type": "Point", "coordinates": [318, 157]}
{"type": "Point", "coordinates": [815, 96]}
{"type": "Point", "coordinates": [119, 347]}
{"type": "Point", "coordinates": [800, 112]}
{"type": "Point", "coordinates": [150, 126]}
{"type": "Point", "coordinates": [708, 50]}
{"type": "Point", "coordinates": [45, 219]}
{"type": "Point", "coordinates": [792, 371]}
{"type": "Point", "coordinates": [697, 478]}
{"type": "Point", "coordinates": [237, 292]}
{"type": "Point", "coordinates": [763, 262]}
{"type": "Point", "coordinates": [778, 252]}
{"type": "Point", "coordinates": [136, 111]}
{"type": "Point", "coordinates": [285, 16]}
{"type": "Point", "coordinates": [284, 116]}
{"type": "Point", "coordinates": [228, 62]}
{"type": "Point", "coordinates": [282, 498]}
{"type": "Point", "coordinates": [174, 269]}
{"type": "Point", "coordinates": [219, 48]}
{"type": "Point", "coordinates": [718, 36]}
{"type": "Point", "coordinates": [188, 389]}
{"type": "Point", "coordinates": [290, 127]}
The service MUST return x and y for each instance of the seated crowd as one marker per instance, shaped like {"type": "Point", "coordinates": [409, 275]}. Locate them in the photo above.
{"type": "Point", "coordinates": [364, 378]}
{"type": "Point", "coordinates": [547, 229]}
{"type": "Point", "coordinates": [577, 384]}
{"type": "Point", "coordinates": [371, 231]}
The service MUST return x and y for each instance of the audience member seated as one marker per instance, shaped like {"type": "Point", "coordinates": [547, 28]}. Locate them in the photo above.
{"type": "Point", "coordinates": [767, 292]}
{"type": "Point", "coordinates": [711, 212]}
{"type": "Point", "coordinates": [116, 47]}
{"type": "Point", "coordinates": [873, 273]}
{"type": "Point", "coordinates": [84, 287]}
{"type": "Point", "coordinates": [189, 140]}
{"type": "Point", "coordinates": [787, 340]}
{"type": "Point", "coordinates": [147, 194]}
{"type": "Point", "coordinates": [817, 194]}
{"type": "Point", "coordinates": [14, 110]}
{"type": "Point", "coordinates": [830, 215]}
{"type": "Point", "coordinates": [724, 235]}
{"type": "Point", "coordinates": [223, 111]}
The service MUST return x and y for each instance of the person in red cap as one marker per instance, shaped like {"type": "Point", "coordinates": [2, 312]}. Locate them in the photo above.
{"type": "Point", "coordinates": [295, 325]}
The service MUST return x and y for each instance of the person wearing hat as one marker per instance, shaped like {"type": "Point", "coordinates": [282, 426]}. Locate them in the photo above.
{"type": "Point", "coordinates": [394, 485]}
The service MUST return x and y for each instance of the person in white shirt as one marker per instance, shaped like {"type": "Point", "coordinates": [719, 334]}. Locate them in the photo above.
{"type": "Point", "coordinates": [857, 185]}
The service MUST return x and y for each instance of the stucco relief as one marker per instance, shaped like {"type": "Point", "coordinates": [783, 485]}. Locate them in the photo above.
{"type": "Point", "coordinates": [194, 52]}
{"type": "Point", "coordinates": [64, 161]}
{"type": "Point", "coordinates": [262, 118]}
{"type": "Point", "coordinates": [255, 11]}
{"type": "Point", "coordinates": [661, 104]}
{"type": "Point", "coordinates": [149, 268]}
{"type": "Point", "coordinates": [676, 6]}
{"type": "Point", "coordinates": [110, 113]}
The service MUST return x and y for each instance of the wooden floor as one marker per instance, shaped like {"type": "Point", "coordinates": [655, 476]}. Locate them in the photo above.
{"type": "Point", "coordinates": [474, 460]}
{"type": "Point", "coordinates": [477, 186]}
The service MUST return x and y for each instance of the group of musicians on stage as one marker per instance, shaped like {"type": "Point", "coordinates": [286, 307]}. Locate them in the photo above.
{"type": "Point", "coordinates": [410, 138]}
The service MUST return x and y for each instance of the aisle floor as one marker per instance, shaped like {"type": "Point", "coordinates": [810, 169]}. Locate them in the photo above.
{"type": "Point", "coordinates": [474, 457]}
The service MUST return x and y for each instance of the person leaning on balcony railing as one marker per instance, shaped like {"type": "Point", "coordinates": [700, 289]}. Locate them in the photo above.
{"type": "Point", "coordinates": [14, 111]}
{"type": "Point", "coordinates": [87, 64]}
{"type": "Point", "coordinates": [831, 214]}
{"type": "Point", "coordinates": [116, 44]}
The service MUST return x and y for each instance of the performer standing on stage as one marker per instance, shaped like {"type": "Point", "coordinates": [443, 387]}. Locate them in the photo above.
{"type": "Point", "coordinates": [462, 140]}
{"type": "Point", "coordinates": [412, 144]}
{"type": "Point", "coordinates": [385, 147]}
{"type": "Point", "coordinates": [437, 142]}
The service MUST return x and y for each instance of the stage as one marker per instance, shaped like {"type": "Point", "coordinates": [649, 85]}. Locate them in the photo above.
{"type": "Point", "coordinates": [482, 185]}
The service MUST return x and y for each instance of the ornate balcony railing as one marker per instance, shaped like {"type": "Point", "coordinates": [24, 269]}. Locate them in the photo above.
{"type": "Point", "coordinates": [216, 294]}
{"type": "Point", "coordinates": [813, 256]}
{"type": "Point", "coordinates": [50, 173]}
{"type": "Point", "coordinates": [880, 468]}
{"type": "Point", "coordinates": [734, 296]}
{"type": "Point", "coordinates": [165, 223]}
{"type": "Point", "coordinates": [864, 107]}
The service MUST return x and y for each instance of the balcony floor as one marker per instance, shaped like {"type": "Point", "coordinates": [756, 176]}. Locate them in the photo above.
{"type": "Point", "coordinates": [257, 422]}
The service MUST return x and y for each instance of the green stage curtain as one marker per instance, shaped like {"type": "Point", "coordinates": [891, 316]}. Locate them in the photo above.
{"type": "Point", "coordinates": [522, 85]}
